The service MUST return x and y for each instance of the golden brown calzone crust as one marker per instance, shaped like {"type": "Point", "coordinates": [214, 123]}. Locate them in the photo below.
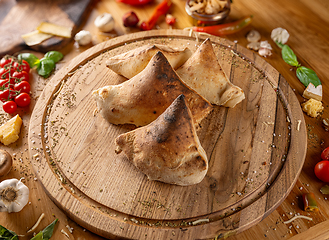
{"type": "Point", "coordinates": [141, 99]}
{"type": "Point", "coordinates": [168, 149]}
{"type": "Point", "coordinates": [131, 63]}
{"type": "Point", "coordinates": [203, 73]}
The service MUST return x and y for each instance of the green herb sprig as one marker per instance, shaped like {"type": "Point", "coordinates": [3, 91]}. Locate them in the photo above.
{"type": "Point", "coordinates": [45, 234]}
{"type": "Point", "coordinates": [6, 234]}
{"type": "Point", "coordinates": [304, 74]}
{"type": "Point", "coordinates": [44, 65]}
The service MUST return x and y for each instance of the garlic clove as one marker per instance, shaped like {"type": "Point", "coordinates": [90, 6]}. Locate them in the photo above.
{"type": "Point", "coordinates": [14, 195]}
{"type": "Point", "coordinates": [83, 37]}
{"type": "Point", "coordinates": [104, 22]}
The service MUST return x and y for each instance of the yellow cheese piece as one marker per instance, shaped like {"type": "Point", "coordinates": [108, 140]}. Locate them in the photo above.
{"type": "Point", "coordinates": [9, 131]}
{"type": "Point", "coordinates": [312, 107]}
{"type": "Point", "coordinates": [35, 37]}
{"type": "Point", "coordinates": [313, 92]}
{"type": "Point", "coordinates": [55, 29]}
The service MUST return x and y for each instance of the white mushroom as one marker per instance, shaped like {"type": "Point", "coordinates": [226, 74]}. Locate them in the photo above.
{"type": "Point", "coordinates": [254, 46]}
{"type": "Point", "coordinates": [104, 22]}
{"type": "Point", "coordinates": [253, 36]}
{"type": "Point", "coordinates": [83, 37]}
{"type": "Point", "coordinates": [14, 195]}
{"type": "Point", "coordinates": [280, 35]}
{"type": "Point", "coordinates": [6, 162]}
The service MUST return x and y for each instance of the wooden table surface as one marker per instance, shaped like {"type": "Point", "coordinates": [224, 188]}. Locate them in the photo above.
{"type": "Point", "coordinates": [306, 21]}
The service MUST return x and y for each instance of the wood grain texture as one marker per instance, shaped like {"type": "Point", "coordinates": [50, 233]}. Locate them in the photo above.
{"type": "Point", "coordinates": [24, 16]}
{"type": "Point", "coordinates": [308, 38]}
{"type": "Point", "coordinates": [254, 151]}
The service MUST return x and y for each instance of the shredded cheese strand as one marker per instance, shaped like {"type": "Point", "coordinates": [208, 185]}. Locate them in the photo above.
{"type": "Point", "coordinates": [65, 233]}
{"type": "Point", "coordinates": [200, 221]}
{"type": "Point", "coordinates": [298, 124]}
{"type": "Point", "coordinates": [297, 216]}
{"type": "Point", "coordinates": [37, 223]}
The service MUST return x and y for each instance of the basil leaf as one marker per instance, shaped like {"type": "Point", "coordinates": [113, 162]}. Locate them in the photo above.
{"type": "Point", "coordinates": [289, 56]}
{"type": "Point", "coordinates": [307, 76]}
{"type": "Point", "coordinates": [46, 67]}
{"type": "Point", "coordinates": [37, 237]}
{"type": "Point", "coordinates": [6, 234]}
{"type": "Point", "coordinates": [54, 55]}
{"type": "Point", "coordinates": [31, 59]}
{"type": "Point", "coordinates": [46, 233]}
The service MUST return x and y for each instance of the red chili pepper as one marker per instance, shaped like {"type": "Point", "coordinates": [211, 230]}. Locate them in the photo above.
{"type": "Point", "coordinates": [160, 10]}
{"type": "Point", "coordinates": [310, 204]}
{"type": "Point", "coordinates": [226, 28]}
{"type": "Point", "coordinates": [135, 2]}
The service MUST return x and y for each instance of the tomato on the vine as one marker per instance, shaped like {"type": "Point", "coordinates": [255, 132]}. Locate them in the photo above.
{"type": "Point", "coordinates": [321, 170]}
{"type": "Point", "coordinates": [23, 99]}
{"type": "Point", "coordinates": [14, 83]}
{"type": "Point", "coordinates": [22, 86]}
{"type": "Point", "coordinates": [5, 62]}
{"type": "Point", "coordinates": [7, 83]}
{"type": "Point", "coordinates": [5, 73]}
{"type": "Point", "coordinates": [6, 95]}
{"type": "Point", "coordinates": [4, 83]}
{"type": "Point", "coordinates": [21, 76]}
{"type": "Point", "coordinates": [9, 107]}
{"type": "Point", "coordinates": [24, 66]}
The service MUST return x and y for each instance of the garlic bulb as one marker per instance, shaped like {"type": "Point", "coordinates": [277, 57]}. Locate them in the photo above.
{"type": "Point", "coordinates": [280, 35]}
{"type": "Point", "coordinates": [14, 195]}
{"type": "Point", "coordinates": [83, 37]}
{"type": "Point", "coordinates": [104, 22]}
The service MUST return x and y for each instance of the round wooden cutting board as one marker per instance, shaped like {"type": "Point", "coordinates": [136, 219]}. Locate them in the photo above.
{"type": "Point", "coordinates": [255, 150]}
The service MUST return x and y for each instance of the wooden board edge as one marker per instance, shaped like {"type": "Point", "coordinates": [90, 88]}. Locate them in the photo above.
{"type": "Point", "coordinates": [89, 54]}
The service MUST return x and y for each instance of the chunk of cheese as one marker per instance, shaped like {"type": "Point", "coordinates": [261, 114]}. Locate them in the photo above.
{"type": "Point", "coordinates": [9, 131]}
{"type": "Point", "coordinates": [54, 29]}
{"type": "Point", "coordinates": [312, 107]}
{"type": "Point", "coordinates": [313, 92]}
{"type": "Point", "coordinates": [35, 37]}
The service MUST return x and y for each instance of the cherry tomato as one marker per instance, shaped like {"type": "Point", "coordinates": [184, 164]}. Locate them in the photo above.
{"type": "Point", "coordinates": [9, 107]}
{"type": "Point", "coordinates": [7, 83]}
{"type": "Point", "coordinates": [21, 76]}
{"type": "Point", "coordinates": [5, 62]}
{"type": "Point", "coordinates": [6, 95]}
{"type": "Point", "coordinates": [23, 99]}
{"type": "Point", "coordinates": [321, 170]}
{"type": "Point", "coordinates": [325, 154]}
{"type": "Point", "coordinates": [24, 66]}
{"type": "Point", "coordinates": [4, 73]}
{"type": "Point", "coordinates": [22, 86]}
{"type": "Point", "coordinates": [4, 83]}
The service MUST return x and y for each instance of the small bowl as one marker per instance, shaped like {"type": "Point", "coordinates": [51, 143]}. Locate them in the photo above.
{"type": "Point", "coordinates": [198, 19]}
